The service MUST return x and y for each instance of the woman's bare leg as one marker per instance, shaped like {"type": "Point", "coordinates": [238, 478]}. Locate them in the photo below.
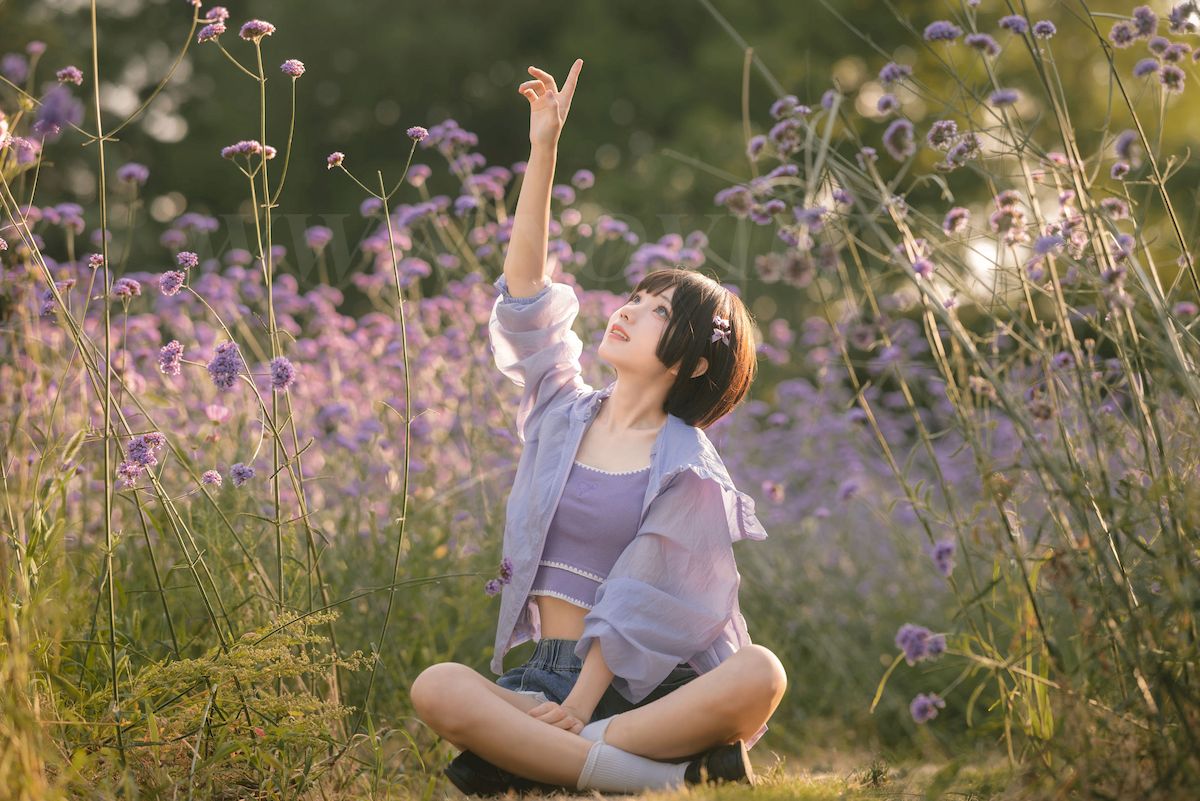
{"type": "Point", "coordinates": [465, 708]}
{"type": "Point", "coordinates": [730, 702]}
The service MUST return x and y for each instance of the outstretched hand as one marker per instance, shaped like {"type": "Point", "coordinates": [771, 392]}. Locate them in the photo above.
{"type": "Point", "coordinates": [548, 105]}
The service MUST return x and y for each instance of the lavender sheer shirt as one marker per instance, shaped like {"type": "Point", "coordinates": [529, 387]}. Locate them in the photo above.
{"type": "Point", "coordinates": [672, 594]}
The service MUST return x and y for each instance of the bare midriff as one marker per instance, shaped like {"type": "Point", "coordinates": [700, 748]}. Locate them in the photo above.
{"type": "Point", "coordinates": [561, 620]}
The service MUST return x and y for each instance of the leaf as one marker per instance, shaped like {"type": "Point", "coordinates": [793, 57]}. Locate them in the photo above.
{"type": "Point", "coordinates": [883, 681]}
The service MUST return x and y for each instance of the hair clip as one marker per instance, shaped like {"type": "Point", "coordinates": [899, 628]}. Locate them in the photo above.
{"type": "Point", "coordinates": [720, 329]}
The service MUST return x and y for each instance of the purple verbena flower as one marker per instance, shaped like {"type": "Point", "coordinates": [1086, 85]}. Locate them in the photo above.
{"type": "Point", "coordinates": [70, 74]}
{"type": "Point", "coordinates": [898, 139]}
{"type": "Point", "coordinates": [210, 32]}
{"type": "Point", "coordinates": [283, 374]}
{"type": "Point", "coordinates": [919, 643]}
{"type": "Point", "coordinates": [941, 134]}
{"type": "Point", "coordinates": [293, 67]}
{"type": "Point", "coordinates": [893, 72]}
{"type": "Point", "coordinates": [506, 570]}
{"type": "Point", "coordinates": [140, 449]}
{"type": "Point", "coordinates": [1184, 17]}
{"type": "Point", "coordinates": [887, 103]}
{"type": "Point", "coordinates": [1004, 97]}
{"type": "Point", "coordinates": [1172, 78]}
{"type": "Point", "coordinates": [186, 259]}
{"type": "Point", "coordinates": [492, 587]}
{"type": "Point", "coordinates": [246, 147]}
{"type": "Point", "coordinates": [58, 109]}
{"type": "Point", "coordinates": [1146, 21]}
{"type": "Point", "coordinates": [1146, 66]}
{"type": "Point", "coordinates": [1044, 29]}
{"type": "Point", "coordinates": [128, 472]}
{"type": "Point", "coordinates": [95, 261]}
{"type": "Point", "coordinates": [942, 31]}
{"type": "Point", "coordinates": [318, 236]}
{"type": "Point", "coordinates": [133, 173]}
{"type": "Point", "coordinates": [1115, 208]}
{"type": "Point", "coordinates": [169, 357]}
{"type": "Point", "coordinates": [924, 708]}
{"type": "Point", "coordinates": [1014, 23]}
{"type": "Point", "coordinates": [335, 159]}
{"type": "Point", "coordinates": [241, 473]}
{"type": "Point", "coordinates": [943, 554]}
{"type": "Point", "coordinates": [956, 221]}
{"type": "Point", "coordinates": [125, 288]}
{"type": "Point", "coordinates": [1119, 169]}
{"type": "Point", "coordinates": [1046, 245]}
{"type": "Point", "coordinates": [1123, 34]}
{"type": "Point", "coordinates": [984, 43]}
{"type": "Point", "coordinates": [755, 145]}
{"type": "Point", "coordinates": [211, 477]}
{"type": "Point", "coordinates": [255, 30]}
{"type": "Point", "coordinates": [923, 268]}
{"type": "Point", "coordinates": [416, 133]}
{"type": "Point", "coordinates": [217, 14]}
{"type": "Point", "coordinates": [225, 365]}
{"type": "Point", "coordinates": [171, 281]}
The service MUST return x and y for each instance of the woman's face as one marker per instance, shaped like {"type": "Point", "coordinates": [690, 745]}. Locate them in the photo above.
{"type": "Point", "coordinates": [633, 333]}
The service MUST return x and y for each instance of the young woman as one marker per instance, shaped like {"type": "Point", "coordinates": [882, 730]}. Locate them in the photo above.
{"type": "Point", "coordinates": [619, 531]}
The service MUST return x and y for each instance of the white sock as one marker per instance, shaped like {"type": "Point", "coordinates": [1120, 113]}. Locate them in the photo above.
{"type": "Point", "coordinates": [609, 769]}
{"type": "Point", "coordinates": [595, 730]}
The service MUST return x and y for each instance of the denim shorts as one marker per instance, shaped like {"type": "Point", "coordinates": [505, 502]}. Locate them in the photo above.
{"type": "Point", "coordinates": [551, 673]}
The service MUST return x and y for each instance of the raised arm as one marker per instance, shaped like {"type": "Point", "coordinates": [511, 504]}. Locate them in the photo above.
{"type": "Point", "coordinates": [525, 262]}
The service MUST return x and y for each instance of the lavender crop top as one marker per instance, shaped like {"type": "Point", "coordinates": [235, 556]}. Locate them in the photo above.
{"type": "Point", "coordinates": [596, 519]}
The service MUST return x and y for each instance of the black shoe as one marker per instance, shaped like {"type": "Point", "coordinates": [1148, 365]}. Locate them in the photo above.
{"type": "Point", "coordinates": [474, 775]}
{"type": "Point", "coordinates": [725, 763]}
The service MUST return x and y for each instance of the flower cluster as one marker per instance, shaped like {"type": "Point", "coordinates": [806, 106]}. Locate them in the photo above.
{"type": "Point", "coordinates": [226, 365]}
{"type": "Point", "coordinates": [140, 455]}
{"type": "Point", "coordinates": [492, 587]}
{"type": "Point", "coordinates": [919, 643]}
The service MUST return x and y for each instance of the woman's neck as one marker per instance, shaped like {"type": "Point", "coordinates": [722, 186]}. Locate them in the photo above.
{"type": "Point", "coordinates": [629, 412]}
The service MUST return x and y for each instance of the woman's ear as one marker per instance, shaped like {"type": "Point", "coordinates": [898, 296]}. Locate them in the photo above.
{"type": "Point", "coordinates": [701, 368]}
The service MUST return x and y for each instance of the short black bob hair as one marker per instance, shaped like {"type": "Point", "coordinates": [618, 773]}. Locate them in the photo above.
{"type": "Point", "coordinates": [703, 400]}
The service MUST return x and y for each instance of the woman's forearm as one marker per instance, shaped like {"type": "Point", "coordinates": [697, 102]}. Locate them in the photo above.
{"type": "Point", "coordinates": [525, 262]}
{"type": "Point", "coordinates": [594, 678]}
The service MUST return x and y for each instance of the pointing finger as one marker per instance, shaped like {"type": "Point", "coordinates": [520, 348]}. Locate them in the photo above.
{"type": "Point", "coordinates": [572, 77]}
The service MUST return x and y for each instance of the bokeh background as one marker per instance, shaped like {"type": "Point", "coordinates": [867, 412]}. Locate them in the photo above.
{"type": "Point", "coordinates": [666, 104]}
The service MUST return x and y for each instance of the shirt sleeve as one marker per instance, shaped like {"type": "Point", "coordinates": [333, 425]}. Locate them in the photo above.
{"type": "Point", "coordinates": [670, 592]}
{"type": "Point", "coordinates": [533, 345]}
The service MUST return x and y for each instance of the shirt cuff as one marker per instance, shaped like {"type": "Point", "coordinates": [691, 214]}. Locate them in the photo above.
{"type": "Point", "coordinates": [501, 283]}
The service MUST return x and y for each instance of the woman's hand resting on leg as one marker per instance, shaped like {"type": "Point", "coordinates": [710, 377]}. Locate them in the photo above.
{"type": "Point", "coordinates": [561, 716]}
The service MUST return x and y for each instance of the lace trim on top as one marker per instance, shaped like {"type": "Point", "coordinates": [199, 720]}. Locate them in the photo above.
{"type": "Point", "coordinates": [564, 566]}
{"type": "Point", "coordinates": [567, 598]}
{"type": "Point", "coordinates": [610, 472]}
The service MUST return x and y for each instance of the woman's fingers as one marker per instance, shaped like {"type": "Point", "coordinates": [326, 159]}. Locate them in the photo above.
{"type": "Point", "coordinates": [546, 78]}
{"type": "Point", "coordinates": [572, 77]}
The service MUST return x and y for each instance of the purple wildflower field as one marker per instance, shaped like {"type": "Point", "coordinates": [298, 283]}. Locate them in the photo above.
{"type": "Point", "coordinates": [239, 519]}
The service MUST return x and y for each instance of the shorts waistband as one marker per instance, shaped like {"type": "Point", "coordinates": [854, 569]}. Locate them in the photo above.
{"type": "Point", "coordinates": [552, 653]}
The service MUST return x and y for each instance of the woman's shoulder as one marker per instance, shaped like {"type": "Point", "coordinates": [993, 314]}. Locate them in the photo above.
{"type": "Point", "coordinates": [692, 465]}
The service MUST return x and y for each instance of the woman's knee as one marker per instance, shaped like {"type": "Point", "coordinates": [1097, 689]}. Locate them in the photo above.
{"type": "Point", "coordinates": [764, 669]}
{"type": "Point", "coordinates": [433, 688]}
